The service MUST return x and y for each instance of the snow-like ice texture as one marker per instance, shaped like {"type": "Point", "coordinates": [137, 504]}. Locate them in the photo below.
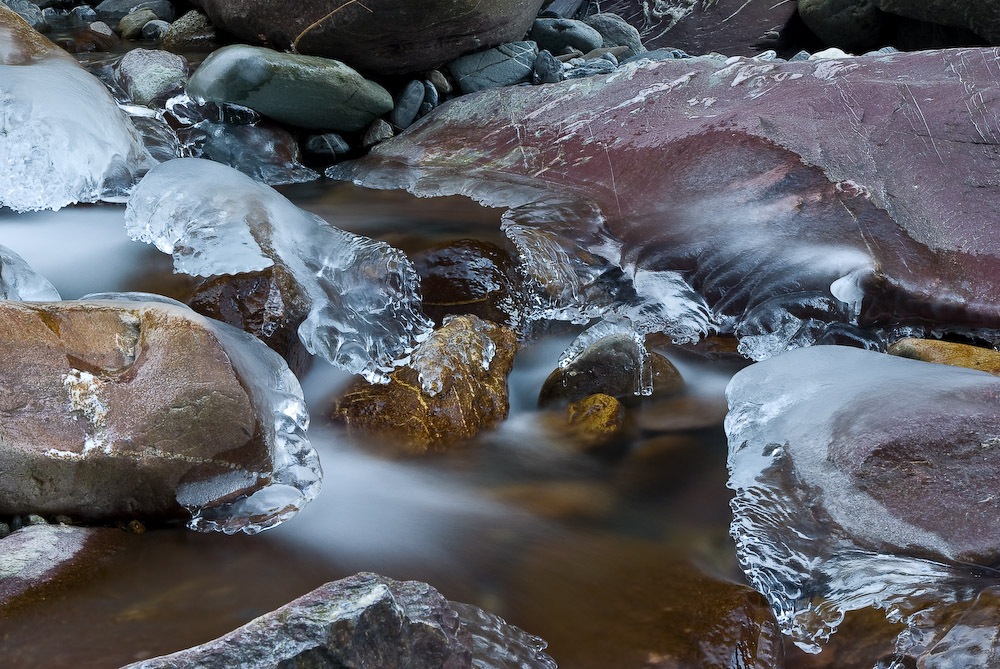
{"type": "Point", "coordinates": [20, 283]}
{"type": "Point", "coordinates": [62, 137]}
{"type": "Point", "coordinates": [294, 478]}
{"type": "Point", "coordinates": [364, 295]}
{"type": "Point", "coordinates": [861, 480]}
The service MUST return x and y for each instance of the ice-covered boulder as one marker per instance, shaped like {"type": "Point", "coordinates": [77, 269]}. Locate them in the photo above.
{"type": "Point", "coordinates": [120, 406]}
{"type": "Point", "coordinates": [363, 295]}
{"type": "Point", "coordinates": [21, 283]}
{"type": "Point", "coordinates": [62, 137]}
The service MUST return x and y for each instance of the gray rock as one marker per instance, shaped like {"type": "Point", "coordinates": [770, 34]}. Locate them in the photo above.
{"type": "Point", "coordinates": [592, 67]}
{"type": "Point", "coordinates": [28, 11]}
{"type": "Point", "coordinates": [504, 65]}
{"type": "Point", "coordinates": [379, 131]}
{"type": "Point", "coordinates": [566, 9]}
{"type": "Point", "coordinates": [431, 96]}
{"type": "Point", "coordinates": [800, 56]}
{"type": "Point", "coordinates": [116, 10]}
{"type": "Point", "coordinates": [82, 15]}
{"type": "Point", "coordinates": [147, 74]}
{"type": "Point", "coordinates": [305, 91]}
{"type": "Point", "coordinates": [557, 34]}
{"type": "Point", "coordinates": [267, 153]}
{"type": "Point", "coordinates": [616, 31]}
{"type": "Point", "coordinates": [547, 70]}
{"type": "Point", "coordinates": [191, 31]}
{"type": "Point", "coordinates": [366, 621]}
{"type": "Point", "coordinates": [131, 25]}
{"type": "Point", "coordinates": [328, 145]}
{"type": "Point", "coordinates": [980, 16]}
{"type": "Point", "coordinates": [155, 29]}
{"type": "Point", "coordinates": [852, 25]}
{"type": "Point", "coordinates": [407, 104]}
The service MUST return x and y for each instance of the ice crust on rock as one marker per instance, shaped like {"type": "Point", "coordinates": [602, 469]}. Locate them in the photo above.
{"type": "Point", "coordinates": [295, 474]}
{"type": "Point", "coordinates": [804, 531]}
{"type": "Point", "coordinates": [20, 283]}
{"type": "Point", "coordinates": [62, 137]}
{"type": "Point", "coordinates": [364, 295]}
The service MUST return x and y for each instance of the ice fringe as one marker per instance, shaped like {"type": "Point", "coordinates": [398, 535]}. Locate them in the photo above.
{"type": "Point", "coordinates": [20, 283]}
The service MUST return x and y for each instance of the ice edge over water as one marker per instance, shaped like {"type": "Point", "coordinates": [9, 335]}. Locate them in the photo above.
{"type": "Point", "coordinates": [20, 283]}
{"type": "Point", "coordinates": [364, 295]}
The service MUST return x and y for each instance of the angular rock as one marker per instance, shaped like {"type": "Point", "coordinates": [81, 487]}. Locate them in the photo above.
{"type": "Point", "coordinates": [383, 36]}
{"type": "Point", "coordinates": [454, 387]}
{"type": "Point", "coordinates": [980, 16]}
{"type": "Point", "coordinates": [147, 74]}
{"type": "Point", "coordinates": [305, 91]}
{"type": "Point", "coordinates": [82, 15]}
{"type": "Point", "coordinates": [610, 366]}
{"type": "Point", "coordinates": [546, 69]}
{"type": "Point", "coordinates": [379, 131]}
{"type": "Point", "coordinates": [470, 277]}
{"type": "Point", "coordinates": [853, 25]}
{"type": "Point", "coordinates": [191, 31]}
{"type": "Point", "coordinates": [616, 31]}
{"type": "Point", "coordinates": [136, 409]}
{"type": "Point", "coordinates": [948, 353]}
{"type": "Point", "coordinates": [504, 65]}
{"type": "Point", "coordinates": [555, 35]}
{"type": "Point", "coordinates": [116, 10]}
{"type": "Point", "coordinates": [732, 27]}
{"type": "Point", "coordinates": [131, 24]}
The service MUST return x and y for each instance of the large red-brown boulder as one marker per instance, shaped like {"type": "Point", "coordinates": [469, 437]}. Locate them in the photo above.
{"type": "Point", "coordinates": [384, 36]}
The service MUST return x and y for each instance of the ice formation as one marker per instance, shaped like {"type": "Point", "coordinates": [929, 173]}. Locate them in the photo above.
{"type": "Point", "coordinates": [292, 472]}
{"type": "Point", "coordinates": [20, 283]}
{"type": "Point", "coordinates": [864, 480]}
{"type": "Point", "coordinates": [62, 137]}
{"type": "Point", "coordinates": [364, 295]}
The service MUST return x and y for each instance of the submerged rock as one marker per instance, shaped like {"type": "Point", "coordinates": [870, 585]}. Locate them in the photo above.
{"type": "Point", "coordinates": [124, 409]}
{"type": "Point", "coordinates": [948, 353]}
{"type": "Point", "coordinates": [454, 387]}
{"type": "Point", "coordinates": [365, 621]}
{"type": "Point", "coordinates": [265, 151]}
{"type": "Point", "coordinates": [384, 36]}
{"type": "Point", "coordinates": [62, 137]}
{"type": "Point", "coordinates": [305, 91]}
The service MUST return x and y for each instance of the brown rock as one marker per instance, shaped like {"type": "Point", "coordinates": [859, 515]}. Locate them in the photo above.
{"type": "Point", "coordinates": [456, 362]}
{"type": "Point", "coordinates": [470, 277]}
{"type": "Point", "coordinates": [384, 36]}
{"type": "Point", "coordinates": [107, 409]}
{"type": "Point", "coordinates": [610, 366]}
{"type": "Point", "coordinates": [597, 424]}
{"type": "Point", "coordinates": [20, 44]}
{"type": "Point", "coordinates": [863, 638]}
{"type": "Point", "coordinates": [267, 304]}
{"type": "Point", "coordinates": [948, 353]}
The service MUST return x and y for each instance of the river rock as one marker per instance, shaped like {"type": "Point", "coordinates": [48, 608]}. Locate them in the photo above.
{"type": "Point", "coordinates": [407, 104]}
{"type": "Point", "coordinates": [732, 27]}
{"type": "Point", "coordinates": [108, 409]}
{"type": "Point", "coordinates": [147, 74]}
{"type": "Point", "coordinates": [379, 131]}
{"type": "Point", "coordinates": [610, 366]}
{"type": "Point", "coordinates": [853, 25]}
{"type": "Point", "coordinates": [597, 425]}
{"type": "Point", "coordinates": [328, 146]}
{"type": "Point", "coordinates": [267, 304]}
{"type": "Point", "coordinates": [980, 16]}
{"type": "Point", "coordinates": [116, 10]}
{"type": "Point", "coordinates": [505, 65]}
{"type": "Point", "coordinates": [948, 353]}
{"type": "Point", "coordinates": [155, 30]}
{"type": "Point", "coordinates": [131, 25]}
{"type": "Point", "coordinates": [98, 36]}
{"type": "Point", "coordinates": [305, 91]}
{"type": "Point", "coordinates": [28, 11]}
{"type": "Point", "coordinates": [546, 69]}
{"type": "Point", "coordinates": [470, 276]}
{"type": "Point", "coordinates": [557, 34]}
{"type": "Point", "coordinates": [454, 387]}
{"type": "Point", "coordinates": [383, 36]}
{"type": "Point", "coordinates": [191, 31]}
{"type": "Point", "coordinates": [616, 31]}
{"type": "Point", "coordinates": [42, 556]}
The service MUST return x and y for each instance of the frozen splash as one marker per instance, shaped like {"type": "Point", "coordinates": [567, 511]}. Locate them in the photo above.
{"type": "Point", "coordinates": [293, 474]}
{"type": "Point", "coordinates": [20, 283]}
{"type": "Point", "coordinates": [364, 295]}
{"type": "Point", "coordinates": [832, 513]}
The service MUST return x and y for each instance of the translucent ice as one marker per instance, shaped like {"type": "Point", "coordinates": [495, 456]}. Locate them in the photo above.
{"type": "Point", "coordinates": [20, 283]}
{"type": "Point", "coordinates": [292, 471]}
{"type": "Point", "coordinates": [62, 137]}
{"type": "Point", "coordinates": [865, 480]}
{"type": "Point", "coordinates": [364, 295]}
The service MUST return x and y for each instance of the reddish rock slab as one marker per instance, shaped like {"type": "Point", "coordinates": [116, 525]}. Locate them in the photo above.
{"type": "Point", "coordinates": [870, 179]}
{"type": "Point", "coordinates": [383, 36]}
{"type": "Point", "coordinates": [732, 27]}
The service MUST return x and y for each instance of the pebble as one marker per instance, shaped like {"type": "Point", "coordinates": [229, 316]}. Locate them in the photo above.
{"type": "Point", "coordinates": [440, 82]}
{"type": "Point", "coordinates": [546, 69]}
{"type": "Point", "coordinates": [378, 131]}
{"type": "Point", "coordinates": [557, 34]}
{"type": "Point", "coordinates": [431, 96]}
{"type": "Point", "coordinates": [407, 105]}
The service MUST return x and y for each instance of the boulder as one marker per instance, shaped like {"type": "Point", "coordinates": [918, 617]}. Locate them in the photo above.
{"type": "Point", "coordinates": [147, 74]}
{"type": "Point", "coordinates": [382, 36]}
{"type": "Point", "coordinates": [980, 16]}
{"type": "Point", "coordinates": [28, 11]}
{"type": "Point", "coordinates": [555, 35]}
{"type": "Point", "coordinates": [454, 387]}
{"type": "Point", "coordinates": [304, 91]}
{"type": "Point", "coordinates": [616, 31]}
{"type": "Point", "coordinates": [505, 65]}
{"type": "Point", "coordinates": [364, 621]}
{"type": "Point", "coordinates": [852, 25]}
{"type": "Point", "coordinates": [115, 10]}
{"type": "Point", "coordinates": [191, 31]}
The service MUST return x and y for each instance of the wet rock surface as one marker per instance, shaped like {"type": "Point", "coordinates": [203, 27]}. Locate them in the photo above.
{"type": "Point", "coordinates": [948, 353]}
{"type": "Point", "coordinates": [505, 65]}
{"type": "Point", "coordinates": [304, 91]}
{"type": "Point", "coordinates": [385, 36]}
{"type": "Point", "coordinates": [454, 387]}
{"type": "Point", "coordinates": [147, 74]}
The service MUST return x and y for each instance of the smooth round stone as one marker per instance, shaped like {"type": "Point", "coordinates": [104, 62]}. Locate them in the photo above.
{"type": "Point", "coordinates": [557, 34]}
{"type": "Point", "coordinates": [82, 15]}
{"type": "Point", "coordinates": [616, 31]}
{"type": "Point", "coordinates": [407, 105]}
{"type": "Point", "coordinates": [431, 96]}
{"type": "Point", "coordinates": [147, 74]}
{"type": "Point", "coordinates": [191, 31]}
{"type": "Point", "coordinates": [327, 145]}
{"type": "Point", "coordinates": [590, 68]}
{"type": "Point", "coordinates": [304, 91]}
{"type": "Point", "coordinates": [116, 10]}
{"type": "Point", "coordinates": [440, 81]}
{"type": "Point", "coordinates": [506, 65]}
{"type": "Point", "coordinates": [132, 24]}
{"type": "Point", "coordinates": [155, 29]}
